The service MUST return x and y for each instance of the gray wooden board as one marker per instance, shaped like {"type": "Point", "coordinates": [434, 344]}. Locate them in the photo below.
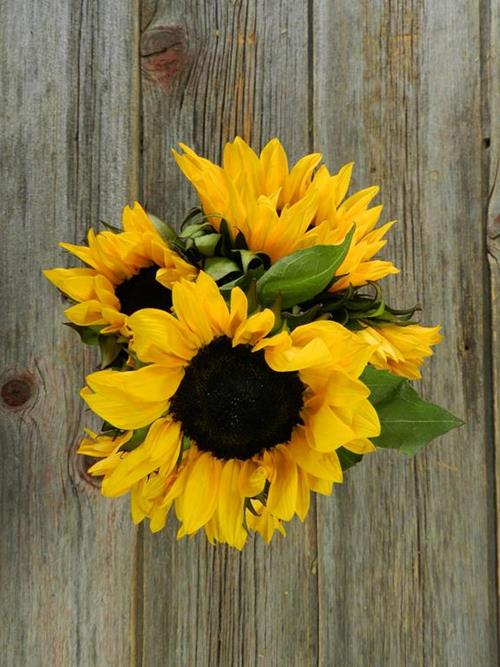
{"type": "Point", "coordinates": [219, 77]}
{"type": "Point", "coordinates": [398, 567]}
{"type": "Point", "coordinates": [66, 555]}
{"type": "Point", "coordinates": [409, 555]}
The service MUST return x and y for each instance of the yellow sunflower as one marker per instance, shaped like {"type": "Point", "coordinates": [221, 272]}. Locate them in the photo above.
{"type": "Point", "coordinates": [280, 210]}
{"type": "Point", "coordinates": [400, 349]}
{"type": "Point", "coordinates": [244, 424]}
{"type": "Point", "coordinates": [126, 271]}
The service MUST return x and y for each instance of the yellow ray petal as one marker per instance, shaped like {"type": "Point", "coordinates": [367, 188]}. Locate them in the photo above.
{"type": "Point", "coordinates": [86, 313]}
{"type": "Point", "coordinates": [163, 443]}
{"type": "Point", "coordinates": [230, 506]}
{"type": "Point", "coordinates": [297, 358]}
{"type": "Point", "coordinates": [320, 464]}
{"type": "Point", "coordinates": [78, 283]}
{"type": "Point", "coordinates": [160, 338]}
{"type": "Point", "coordinates": [131, 399]}
{"type": "Point", "coordinates": [200, 492]}
{"type": "Point", "coordinates": [282, 498]}
{"type": "Point", "coordinates": [135, 219]}
{"type": "Point", "coordinates": [254, 328]}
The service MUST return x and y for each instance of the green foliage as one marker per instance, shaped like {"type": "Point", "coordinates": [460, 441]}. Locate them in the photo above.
{"type": "Point", "coordinates": [167, 233]}
{"type": "Point", "coordinates": [137, 439]}
{"type": "Point", "coordinates": [303, 274]}
{"type": "Point", "coordinates": [347, 458]}
{"type": "Point", "coordinates": [88, 335]}
{"type": "Point", "coordinates": [408, 422]}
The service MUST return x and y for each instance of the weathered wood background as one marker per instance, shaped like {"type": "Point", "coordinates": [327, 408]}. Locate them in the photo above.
{"type": "Point", "coordinates": [398, 568]}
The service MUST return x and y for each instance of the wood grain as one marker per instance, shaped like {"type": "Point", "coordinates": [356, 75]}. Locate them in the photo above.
{"type": "Point", "coordinates": [67, 556]}
{"type": "Point", "coordinates": [398, 567]}
{"type": "Point", "coordinates": [490, 86]}
{"type": "Point", "coordinates": [221, 607]}
{"type": "Point", "coordinates": [413, 117]}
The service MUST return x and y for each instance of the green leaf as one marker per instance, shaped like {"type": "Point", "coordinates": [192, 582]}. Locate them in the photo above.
{"type": "Point", "coordinates": [88, 335]}
{"type": "Point", "coordinates": [109, 348]}
{"type": "Point", "coordinates": [347, 458]}
{"type": "Point", "coordinates": [303, 274]}
{"type": "Point", "coordinates": [408, 422]}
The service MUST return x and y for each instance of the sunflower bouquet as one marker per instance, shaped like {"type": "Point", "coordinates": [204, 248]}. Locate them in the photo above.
{"type": "Point", "coordinates": [248, 357]}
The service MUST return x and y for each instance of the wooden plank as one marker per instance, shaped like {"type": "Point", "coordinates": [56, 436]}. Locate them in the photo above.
{"type": "Point", "coordinates": [405, 571]}
{"type": "Point", "coordinates": [210, 71]}
{"type": "Point", "coordinates": [490, 59]}
{"type": "Point", "coordinates": [67, 555]}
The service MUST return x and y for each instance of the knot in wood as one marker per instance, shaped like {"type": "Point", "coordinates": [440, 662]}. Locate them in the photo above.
{"type": "Point", "coordinates": [17, 391]}
{"type": "Point", "coordinates": [163, 53]}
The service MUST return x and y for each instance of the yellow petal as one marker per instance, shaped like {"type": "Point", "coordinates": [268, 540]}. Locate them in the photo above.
{"type": "Point", "coordinates": [313, 353]}
{"type": "Point", "coordinates": [134, 466]}
{"type": "Point", "coordinates": [78, 283]}
{"type": "Point", "coordinates": [326, 430]}
{"type": "Point", "coordinates": [131, 399]}
{"type": "Point", "coordinates": [135, 219]}
{"type": "Point", "coordinates": [252, 479]}
{"type": "Point", "coordinates": [200, 492]}
{"type": "Point", "coordinates": [320, 464]}
{"type": "Point", "coordinates": [230, 508]}
{"type": "Point", "coordinates": [360, 446]}
{"type": "Point", "coordinates": [187, 307]}
{"type": "Point", "coordinates": [254, 328]}
{"type": "Point", "coordinates": [86, 313]}
{"type": "Point", "coordinates": [282, 498]}
{"type": "Point", "coordinates": [159, 337]}
{"type": "Point", "coordinates": [239, 307]}
{"type": "Point", "coordinates": [163, 443]}
{"type": "Point", "coordinates": [303, 495]}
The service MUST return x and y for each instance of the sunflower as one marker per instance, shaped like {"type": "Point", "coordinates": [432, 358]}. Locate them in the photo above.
{"type": "Point", "coordinates": [279, 210]}
{"type": "Point", "coordinates": [244, 423]}
{"type": "Point", "coordinates": [400, 349]}
{"type": "Point", "coordinates": [125, 271]}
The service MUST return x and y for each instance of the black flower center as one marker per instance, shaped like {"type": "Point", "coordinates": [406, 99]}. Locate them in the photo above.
{"type": "Point", "coordinates": [233, 405]}
{"type": "Point", "coordinates": [143, 291]}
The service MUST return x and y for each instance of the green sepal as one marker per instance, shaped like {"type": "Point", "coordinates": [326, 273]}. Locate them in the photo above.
{"type": "Point", "coordinates": [244, 282]}
{"type": "Point", "coordinates": [347, 458]}
{"type": "Point", "coordinates": [303, 274]}
{"type": "Point", "coordinates": [240, 242]}
{"type": "Point", "coordinates": [110, 349]}
{"type": "Point", "coordinates": [207, 244]}
{"type": "Point", "coordinates": [226, 241]}
{"type": "Point", "coordinates": [294, 320]}
{"type": "Point", "coordinates": [137, 439]}
{"type": "Point", "coordinates": [278, 317]}
{"type": "Point", "coordinates": [408, 422]}
{"type": "Point", "coordinates": [249, 260]}
{"type": "Point", "coordinates": [193, 216]}
{"type": "Point", "coordinates": [88, 335]}
{"type": "Point", "coordinates": [196, 231]}
{"type": "Point", "coordinates": [167, 233]}
{"type": "Point", "coordinates": [110, 228]}
{"type": "Point", "coordinates": [221, 268]}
